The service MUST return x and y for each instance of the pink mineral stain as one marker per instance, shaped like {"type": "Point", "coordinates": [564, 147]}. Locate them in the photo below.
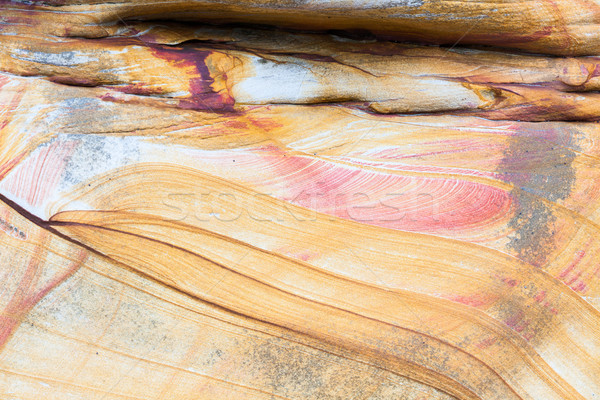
{"type": "Point", "coordinates": [37, 176]}
{"type": "Point", "coordinates": [27, 293]}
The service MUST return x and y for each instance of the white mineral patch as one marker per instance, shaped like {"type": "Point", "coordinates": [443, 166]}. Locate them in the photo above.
{"type": "Point", "coordinates": [96, 155]}
{"type": "Point", "coordinates": [275, 83]}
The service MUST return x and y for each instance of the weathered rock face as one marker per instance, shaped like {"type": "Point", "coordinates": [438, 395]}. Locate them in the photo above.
{"type": "Point", "coordinates": [200, 211]}
{"type": "Point", "coordinates": [561, 27]}
{"type": "Point", "coordinates": [221, 70]}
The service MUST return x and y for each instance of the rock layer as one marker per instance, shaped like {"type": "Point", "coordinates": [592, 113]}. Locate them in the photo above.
{"type": "Point", "coordinates": [561, 27]}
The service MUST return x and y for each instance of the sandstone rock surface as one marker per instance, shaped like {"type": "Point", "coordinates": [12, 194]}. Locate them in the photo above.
{"type": "Point", "coordinates": [300, 200]}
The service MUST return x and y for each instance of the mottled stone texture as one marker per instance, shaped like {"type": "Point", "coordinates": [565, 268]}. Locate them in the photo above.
{"type": "Point", "coordinates": [325, 199]}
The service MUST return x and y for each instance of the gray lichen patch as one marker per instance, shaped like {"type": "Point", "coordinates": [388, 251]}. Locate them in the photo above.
{"type": "Point", "coordinates": [543, 174]}
{"type": "Point", "coordinates": [62, 59]}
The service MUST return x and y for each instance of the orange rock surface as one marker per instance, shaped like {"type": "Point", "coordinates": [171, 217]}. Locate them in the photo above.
{"type": "Point", "coordinates": [325, 206]}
